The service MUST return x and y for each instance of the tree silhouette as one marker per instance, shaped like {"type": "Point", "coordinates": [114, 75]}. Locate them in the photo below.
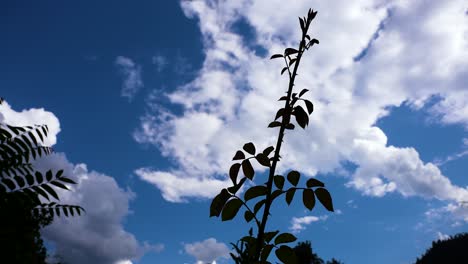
{"type": "Point", "coordinates": [305, 255]}
{"type": "Point", "coordinates": [452, 250]}
{"type": "Point", "coordinates": [227, 204]}
{"type": "Point", "coordinates": [22, 187]}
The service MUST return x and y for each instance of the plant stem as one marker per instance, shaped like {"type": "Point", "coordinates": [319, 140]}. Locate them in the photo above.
{"type": "Point", "coordinates": [285, 121]}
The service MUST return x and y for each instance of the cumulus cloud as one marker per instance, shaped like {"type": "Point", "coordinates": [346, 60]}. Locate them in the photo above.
{"type": "Point", "coordinates": [32, 116]}
{"type": "Point", "coordinates": [373, 55]}
{"type": "Point", "coordinates": [207, 251]}
{"type": "Point", "coordinates": [131, 73]}
{"type": "Point", "coordinates": [298, 223]}
{"type": "Point", "coordinates": [98, 236]}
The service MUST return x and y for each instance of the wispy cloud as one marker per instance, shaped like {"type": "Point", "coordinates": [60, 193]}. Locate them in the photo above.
{"type": "Point", "coordinates": [298, 223]}
{"type": "Point", "coordinates": [159, 61]}
{"type": "Point", "coordinates": [131, 72]}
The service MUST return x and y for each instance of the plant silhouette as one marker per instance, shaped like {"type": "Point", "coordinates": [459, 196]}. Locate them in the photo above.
{"type": "Point", "coordinates": [256, 249]}
{"type": "Point", "coordinates": [451, 250]}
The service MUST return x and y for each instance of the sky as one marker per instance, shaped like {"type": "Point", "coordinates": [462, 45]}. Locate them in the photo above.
{"type": "Point", "coordinates": [147, 102]}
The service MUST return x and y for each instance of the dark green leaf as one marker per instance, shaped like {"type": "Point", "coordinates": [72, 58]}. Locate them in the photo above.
{"type": "Point", "coordinates": [293, 177]}
{"type": "Point", "coordinates": [255, 191]}
{"type": "Point", "coordinates": [279, 181]}
{"type": "Point", "coordinates": [9, 183]}
{"type": "Point", "coordinates": [50, 191]}
{"type": "Point", "coordinates": [239, 155]}
{"type": "Point", "coordinates": [247, 169]}
{"type": "Point", "coordinates": [283, 70]}
{"type": "Point", "coordinates": [285, 238]}
{"type": "Point", "coordinates": [303, 92]}
{"type": "Point", "coordinates": [290, 51]}
{"type": "Point", "coordinates": [234, 171]}
{"type": "Point", "coordinates": [249, 148]}
{"type": "Point", "coordinates": [248, 216]}
{"type": "Point", "coordinates": [230, 209]}
{"type": "Point", "coordinates": [268, 150]}
{"type": "Point", "coordinates": [270, 235]}
{"type": "Point", "coordinates": [276, 56]}
{"type": "Point", "coordinates": [59, 184]}
{"type": "Point", "coordinates": [259, 205]}
{"type": "Point", "coordinates": [308, 198]}
{"type": "Point", "coordinates": [49, 175]}
{"type": "Point", "coordinates": [263, 159]}
{"type": "Point", "coordinates": [279, 113]}
{"type": "Point", "coordinates": [290, 195]}
{"type": "Point", "coordinates": [266, 252]}
{"type": "Point", "coordinates": [39, 177]}
{"type": "Point", "coordinates": [325, 198]}
{"type": "Point", "coordinates": [40, 191]}
{"type": "Point", "coordinates": [310, 106]}
{"type": "Point", "coordinates": [301, 116]}
{"type": "Point", "coordinates": [274, 124]}
{"type": "Point", "coordinates": [66, 180]}
{"type": "Point", "coordinates": [286, 255]}
{"type": "Point", "coordinates": [218, 203]}
{"type": "Point", "coordinates": [312, 182]}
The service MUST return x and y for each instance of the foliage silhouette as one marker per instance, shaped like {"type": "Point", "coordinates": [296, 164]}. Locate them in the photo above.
{"type": "Point", "coordinates": [21, 186]}
{"type": "Point", "coordinates": [451, 250]}
{"type": "Point", "coordinates": [19, 146]}
{"type": "Point", "coordinates": [256, 249]}
{"type": "Point", "coordinates": [305, 255]}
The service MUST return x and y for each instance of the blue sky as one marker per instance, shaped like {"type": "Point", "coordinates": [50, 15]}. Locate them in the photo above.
{"type": "Point", "coordinates": [148, 101]}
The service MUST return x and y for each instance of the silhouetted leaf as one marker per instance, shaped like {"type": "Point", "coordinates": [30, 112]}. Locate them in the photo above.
{"type": "Point", "coordinates": [50, 191]}
{"type": "Point", "coordinates": [255, 191]}
{"type": "Point", "coordinates": [283, 70]}
{"type": "Point", "coordinates": [49, 175]}
{"type": "Point", "coordinates": [312, 182]}
{"type": "Point", "coordinates": [279, 181]}
{"type": "Point", "coordinates": [310, 106]}
{"type": "Point", "coordinates": [236, 187]}
{"type": "Point", "coordinates": [325, 198]}
{"type": "Point", "coordinates": [66, 180]}
{"type": "Point", "coordinates": [301, 116]}
{"type": "Point", "coordinates": [263, 159]}
{"type": "Point", "coordinates": [274, 124]}
{"type": "Point", "coordinates": [308, 198]}
{"type": "Point", "coordinates": [268, 150]}
{"type": "Point", "coordinates": [249, 148]}
{"type": "Point", "coordinates": [275, 194]}
{"type": "Point", "coordinates": [292, 61]}
{"type": "Point", "coordinates": [268, 236]}
{"type": "Point", "coordinates": [279, 113]}
{"type": "Point", "coordinates": [239, 155]}
{"type": "Point", "coordinates": [289, 126]}
{"type": "Point", "coordinates": [301, 22]}
{"type": "Point", "coordinates": [40, 191]}
{"type": "Point", "coordinates": [59, 184]}
{"type": "Point", "coordinates": [303, 92]}
{"type": "Point", "coordinates": [286, 255]}
{"type": "Point", "coordinates": [290, 195]}
{"type": "Point", "coordinates": [234, 171]}
{"type": "Point", "coordinates": [314, 41]}
{"type": "Point", "coordinates": [218, 203]}
{"type": "Point", "coordinates": [65, 211]}
{"type": "Point", "coordinates": [29, 179]}
{"type": "Point", "coordinates": [293, 177]}
{"type": "Point", "coordinates": [285, 238]}
{"type": "Point", "coordinates": [266, 252]}
{"type": "Point", "coordinates": [230, 209]}
{"type": "Point", "coordinates": [290, 51]}
{"type": "Point", "coordinates": [283, 98]}
{"type": "Point", "coordinates": [259, 205]}
{"type": "Point", "coordinates": [276, 56]}
{"type": "Point", "coordinates": [9, 183]}
{"type": "Point", "coordinates": [248, 216]}
{"type": "Point", "coordinates": [20, 181]}
{"type": "Point", "coordinates": [39, 177]}
{"type": "Point", "coordinates": [247, 169]}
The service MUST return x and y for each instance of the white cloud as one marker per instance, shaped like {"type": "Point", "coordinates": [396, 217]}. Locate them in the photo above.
{"type": "Point", "coordinates": [131, 73]}
{"type": "Point", "coordinates": [420, 52]}
{"type": "Point", "coordinates": [207, 251]}
{"type": "Point", "coordinates": [298, 223]}
{"type": "Point", "coordinates": [442, 236]}
{"type": "Point", "coordinates": [32, 116]}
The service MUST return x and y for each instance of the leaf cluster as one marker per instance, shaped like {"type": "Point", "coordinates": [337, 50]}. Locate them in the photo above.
{"type": "Point", "coordinates": [19, 146]}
